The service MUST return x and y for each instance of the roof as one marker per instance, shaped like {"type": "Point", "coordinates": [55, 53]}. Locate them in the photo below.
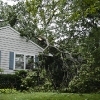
{"type": "Point", "coordinates": [19, 34]}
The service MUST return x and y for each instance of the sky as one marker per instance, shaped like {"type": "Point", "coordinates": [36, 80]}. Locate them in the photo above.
{"type": "Point", "coordinates": [10, 2]}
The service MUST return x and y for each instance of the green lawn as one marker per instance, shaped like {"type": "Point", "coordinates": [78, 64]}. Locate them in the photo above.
{"type": "Point", "coordinates": [49, 96]}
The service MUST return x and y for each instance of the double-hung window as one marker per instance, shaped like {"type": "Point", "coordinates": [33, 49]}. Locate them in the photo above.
{"type": "Point", "coordinates": [29, 62]}
{"type": "Point", "coordinates": [19, 61]}
{"type": "Point", "coordinates": [22, 61]}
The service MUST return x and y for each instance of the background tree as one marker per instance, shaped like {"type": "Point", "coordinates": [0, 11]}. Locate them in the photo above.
{"type": "Point", "coordinates": [86, 15]}
{"type": "Point", "coordinates": [67, 25]}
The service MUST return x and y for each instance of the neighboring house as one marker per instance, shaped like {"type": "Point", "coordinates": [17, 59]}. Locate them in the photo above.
{"type": "Point", "coordinates": [15, 52]}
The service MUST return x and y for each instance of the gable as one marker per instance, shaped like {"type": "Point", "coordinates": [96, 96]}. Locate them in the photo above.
{"type": "Point", "coordinates": [10, 33]}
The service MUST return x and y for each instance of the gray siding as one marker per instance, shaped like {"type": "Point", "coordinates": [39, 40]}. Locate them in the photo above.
{"type": "Point", "coordinates": [11, 41]}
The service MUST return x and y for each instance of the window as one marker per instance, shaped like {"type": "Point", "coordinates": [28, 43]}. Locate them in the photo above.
{"type": "Point", "coordinates": [29, 62]}
{"type": "Point", "coordinates": [23, 61]}
{"type": "Point", "coordinates": [19, 61]}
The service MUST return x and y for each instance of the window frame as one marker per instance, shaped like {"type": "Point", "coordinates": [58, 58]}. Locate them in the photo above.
{"type": "Point", "coordinates": [25, 54]}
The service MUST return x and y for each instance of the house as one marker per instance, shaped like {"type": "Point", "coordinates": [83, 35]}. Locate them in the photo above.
{"type": "Point", "coordinates": [15, 52]}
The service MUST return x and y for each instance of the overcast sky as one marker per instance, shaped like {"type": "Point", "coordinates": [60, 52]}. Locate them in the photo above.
{"type": "Point", "coordinates": [10, 2]}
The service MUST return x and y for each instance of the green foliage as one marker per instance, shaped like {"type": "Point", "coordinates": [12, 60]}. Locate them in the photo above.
{"type": "Point", "coordinates": [9, 77]}
{"type": "Point", "coordinates": [8, 81]}
{"type": "Point", "coordinates": [21, 74]}
{"type": "Point", "coordinates": [86, 9]}
{"type": "Point", "coordinates": [1, 70]}
{"type": "Point", "coordinates": [34, 81]}
{"type": "Point", "coordinates": [74, 25]}
{"type": "Point", "coordinates": [59, 70]}
{"type": "Point", "coordinates": [87, 81]}
{"type": "Point", "coordinates": [7, 91]}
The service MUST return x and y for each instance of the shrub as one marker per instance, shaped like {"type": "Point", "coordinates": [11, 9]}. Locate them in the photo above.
{"type": "Point", "coordinates": [86, 82]}
{"type": "Point", "coordinates": [8, 81]}
{"type": "Point", "coordinates": [35, 80]}
{"type": "Point", "coordinates": [21, 74]}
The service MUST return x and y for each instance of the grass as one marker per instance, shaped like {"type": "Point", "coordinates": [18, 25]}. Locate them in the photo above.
{"type": "Point", "coordinates": [49, 96]}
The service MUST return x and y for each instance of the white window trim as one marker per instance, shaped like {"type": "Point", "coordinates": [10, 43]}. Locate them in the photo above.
{"type": "Point", "coordinates": [25, 54]}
